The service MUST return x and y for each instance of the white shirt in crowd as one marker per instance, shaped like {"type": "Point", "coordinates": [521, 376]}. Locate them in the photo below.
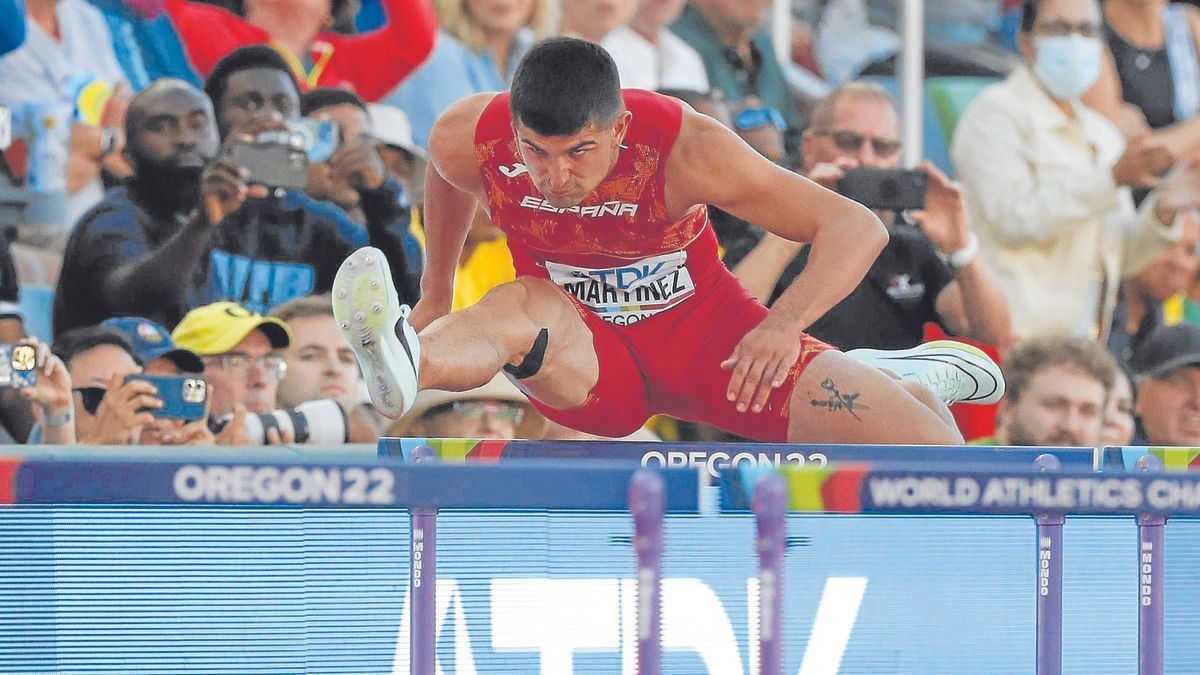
{"type": "Point", "coordinates": [1052, 225]}
{"type": "Point", "coordinates": [37, 72]}
{"type": "Point", "coordinates": [671, 64]}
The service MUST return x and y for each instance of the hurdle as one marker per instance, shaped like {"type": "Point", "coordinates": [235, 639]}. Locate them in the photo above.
{"type": "Point", "coordinates": [1045, 492]}
{"type": "Point", "coordinates": [713, 458]}
{"type": "Point", "coordinates": [768, 501]}
{"type": "Point", "coordinates": [423, 488]}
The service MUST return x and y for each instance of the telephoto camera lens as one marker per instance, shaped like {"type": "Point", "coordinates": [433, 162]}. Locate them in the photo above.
{"type": "Point", "coordinates": [320, 422]}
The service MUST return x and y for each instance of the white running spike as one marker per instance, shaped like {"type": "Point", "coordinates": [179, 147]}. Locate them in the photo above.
{"type": "Point", "coordinates": [955, 371]}
{"type": "Point", "coordinates": [386, 346]}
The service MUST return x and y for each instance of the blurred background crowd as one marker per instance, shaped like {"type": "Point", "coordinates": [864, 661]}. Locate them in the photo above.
{"type": "Point", "coordinates": [182, 178]}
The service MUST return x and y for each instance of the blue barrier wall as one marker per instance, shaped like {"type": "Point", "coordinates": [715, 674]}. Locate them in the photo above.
{"type": "Point", "coordinates": [201, 590]}
{"type": "Point", "coordinates": [235, 589]}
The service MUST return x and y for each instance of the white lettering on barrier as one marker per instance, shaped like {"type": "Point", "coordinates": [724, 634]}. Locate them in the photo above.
{"type": "Point", "coordinates": [292, 485]}
{"type": "Point", "coordinates": [714, 462]}
{"type": "Point", "coordinates": [1146, 587]}
{"type": "Point", "coordinates": [448, 596]}
{"type": "Point", "coordinates": [1054, 494]}
{"type": "Point", "coordinates": [1033, 493]}
{"type": "Point", "coordinates": [558, 617]}
{"type": "Point", "coordinates": [1168, 494]}
{"type": "Point", "coordinates": [924, 492]}
{"type": "Point", "coordinates": [418, 564]}
{"type": "Point", "coordinates": [831, 630]}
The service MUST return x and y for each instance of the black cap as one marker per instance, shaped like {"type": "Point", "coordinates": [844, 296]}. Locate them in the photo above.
{"type": "Point", "coordinates": [1165, 349]}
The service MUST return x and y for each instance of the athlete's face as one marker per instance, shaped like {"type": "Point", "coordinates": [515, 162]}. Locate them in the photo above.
{"type": "Point", "coordinates": [566, 169]}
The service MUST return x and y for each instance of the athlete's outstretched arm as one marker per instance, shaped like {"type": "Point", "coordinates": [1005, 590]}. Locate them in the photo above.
{"type": "Point", "coordinates": [846, 238]}
{"type": "Point", "coordinates": [451, 185]}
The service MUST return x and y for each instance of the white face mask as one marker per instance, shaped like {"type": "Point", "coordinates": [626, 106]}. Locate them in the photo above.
{"type": "Point", "coordinates": [1067, 65]}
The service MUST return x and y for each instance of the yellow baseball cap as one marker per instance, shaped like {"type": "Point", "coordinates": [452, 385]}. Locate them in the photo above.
{"type": "Point", "coordinates": [218, 327]}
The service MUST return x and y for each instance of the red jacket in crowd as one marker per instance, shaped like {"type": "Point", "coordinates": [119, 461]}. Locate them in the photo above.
{"type": "Point", "coordinates": [372, 63]}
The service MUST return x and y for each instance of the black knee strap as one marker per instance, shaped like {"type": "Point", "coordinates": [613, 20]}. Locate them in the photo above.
{"type": "Point", "coordinates": [532, 362]}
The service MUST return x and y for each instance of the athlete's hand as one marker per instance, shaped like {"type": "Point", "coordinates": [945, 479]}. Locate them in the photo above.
{"type": "Point", "coordinates": [760, 363]}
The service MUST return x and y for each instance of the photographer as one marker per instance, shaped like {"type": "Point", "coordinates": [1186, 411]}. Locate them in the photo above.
{"type": "Point", "coordinates": [239, 348]}
{"type": "Point", "coordinates": [51, 396]}
{"type": "Point", "coordinates": [356, 179]}
{"type": "Point", "coordinates": [108, 409]}
{"type": "Point", "coordinates": [193, 226]}
{"type": "Point", "coordinates": [321, 365]}
{"type": "Point", "coordinates": [929, 271]}
{"type": "Point", "coordinates": [138, 250]}
{"type": "Point", "coordinates": [153, 347]}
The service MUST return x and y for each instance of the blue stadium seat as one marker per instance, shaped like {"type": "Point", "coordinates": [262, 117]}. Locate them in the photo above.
{"type": "Point", "coordinates": [951, 95]}
{"type": "Point", "coordinates": [37, 302]}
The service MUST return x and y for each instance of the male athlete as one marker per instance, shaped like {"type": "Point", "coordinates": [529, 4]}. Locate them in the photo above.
{"type": "Point", "coordinates": [621, 308]}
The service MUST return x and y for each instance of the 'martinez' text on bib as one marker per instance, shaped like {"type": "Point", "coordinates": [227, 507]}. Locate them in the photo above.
{"type": "Point", "coordinates": [627, 294]}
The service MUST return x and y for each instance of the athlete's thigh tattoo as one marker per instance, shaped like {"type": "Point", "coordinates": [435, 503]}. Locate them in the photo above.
{"type": "Point", "coordinates": [837, 399]}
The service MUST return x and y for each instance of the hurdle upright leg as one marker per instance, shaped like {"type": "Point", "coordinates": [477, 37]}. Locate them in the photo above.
{"type": "Point", "coordinates": [646, 502]}
{"type": "Point", "coordinates": [1049, 581]}
{"type": "Point", "coordinates": [422, 584]}
{"type": "Point", "coordinates": [770, 511]}
{"type": "Point", "coordinates": [1151, 580]}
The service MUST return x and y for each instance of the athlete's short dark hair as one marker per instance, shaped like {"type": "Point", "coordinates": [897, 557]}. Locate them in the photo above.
{"type": "Point", "coordinates": [564, 84]}
{"type": "Point", "coordinates": [244, 58]}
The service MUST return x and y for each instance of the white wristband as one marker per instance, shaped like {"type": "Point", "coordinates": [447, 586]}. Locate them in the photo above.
{"type": "Point", "coordinates": [965, 255]}
{"type": "Point", "coordinates": [60, 419]}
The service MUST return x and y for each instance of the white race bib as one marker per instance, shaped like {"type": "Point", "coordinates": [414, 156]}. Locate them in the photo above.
{"type": "Point", "coordinates": [627, 294]}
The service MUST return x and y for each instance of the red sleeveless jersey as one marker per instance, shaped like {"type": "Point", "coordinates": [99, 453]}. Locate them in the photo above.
{"type": "Point", "coordinates": [616, 252]}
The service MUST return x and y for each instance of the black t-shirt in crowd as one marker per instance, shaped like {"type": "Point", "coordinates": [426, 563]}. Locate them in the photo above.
{"type": "Point", "coordinates": [267, 252]}
{"type": "Point", "coordinates": [895, 300]}
{"type": "Point", "coordinates": [10, 287]}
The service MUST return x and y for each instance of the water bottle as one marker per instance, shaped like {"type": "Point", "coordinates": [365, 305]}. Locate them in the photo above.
{"type": "Point", "coordinates": [49, 136]}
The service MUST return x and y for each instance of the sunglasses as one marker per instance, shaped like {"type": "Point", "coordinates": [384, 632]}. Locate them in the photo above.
{"type": "Point", "coordinates": [753, 118]}
{"type": "Point", "coordinates": [849, 141]}
{"type": "Point", "coordinates": [90, 397]}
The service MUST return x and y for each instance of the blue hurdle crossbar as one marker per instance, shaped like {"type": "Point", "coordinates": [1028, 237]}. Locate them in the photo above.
{"type": "Point", "coordinates": [715, 457]}
{"type": "Point", "coordinates": [528, 485]}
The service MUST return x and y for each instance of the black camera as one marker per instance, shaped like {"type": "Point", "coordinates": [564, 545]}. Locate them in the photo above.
{"type": "Point", "coordinates": [885, 189]}
{"type": "Point", "coordinates": [276, 159]}
{"type": "Point", "coordinates": [321, 422]}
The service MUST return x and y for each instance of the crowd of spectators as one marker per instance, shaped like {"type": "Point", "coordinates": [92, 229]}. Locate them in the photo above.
{"type": "Point", "coordinates": [1062, 231]}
